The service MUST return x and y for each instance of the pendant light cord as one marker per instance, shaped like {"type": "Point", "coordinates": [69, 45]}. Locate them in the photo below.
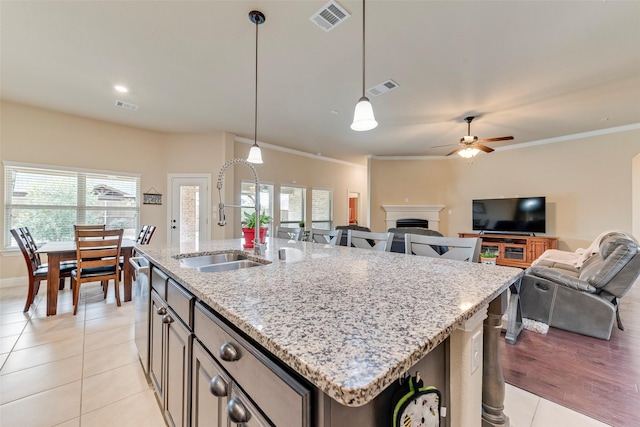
{"type": "Point", "coordinates": [363, 47]}
{"type": "Point", "coordinates": [255, 113]}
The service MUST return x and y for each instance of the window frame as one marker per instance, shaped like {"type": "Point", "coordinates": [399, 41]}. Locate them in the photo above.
{"type": "Point", "coordinates": [243, 194]}
{"type": "Point", "coordinates": [315, 222]}
{"type": "Point", "coordinates": [292, 223]}
{"type": "Point", "coordinates": [81, 206]}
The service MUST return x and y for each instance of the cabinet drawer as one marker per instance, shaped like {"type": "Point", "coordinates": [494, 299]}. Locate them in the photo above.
{"type": "Point", "coordinates": [282, 398]}
{"type": "Point", "coordinates": [181, 301]}
{"type": "Point", "coordinates": [159, 282]}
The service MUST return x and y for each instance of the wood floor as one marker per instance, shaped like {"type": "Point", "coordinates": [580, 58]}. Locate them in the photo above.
{"type": "Point", "coordinates": [598, 378]}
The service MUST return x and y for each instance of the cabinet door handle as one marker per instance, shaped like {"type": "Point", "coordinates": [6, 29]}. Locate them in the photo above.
{"type": "Point", "coordinates": [167, 319]}
{"type": "Point", "coordinates": [161, 311]}
{"type": "Point", "coordinates": [228, 352]}
{"type": "Point", "coordinates": [237, 412]}
{"type": "Point", "coordinates": [218, 387]}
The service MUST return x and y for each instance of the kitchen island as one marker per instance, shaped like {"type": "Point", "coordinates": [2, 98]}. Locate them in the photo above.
{"type": "Point", "coordinates": [348, 322]}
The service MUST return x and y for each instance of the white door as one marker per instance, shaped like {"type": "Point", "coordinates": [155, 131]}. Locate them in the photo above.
{"type": "Point", "coordinates": [190, 211]}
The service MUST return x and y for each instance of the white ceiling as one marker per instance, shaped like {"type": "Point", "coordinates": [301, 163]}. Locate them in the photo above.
{"type": "Point", "coordinates": [531, 69]}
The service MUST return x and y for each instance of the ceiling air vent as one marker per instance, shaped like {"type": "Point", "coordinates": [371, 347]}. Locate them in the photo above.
{"type": "Point", "coordinates": [382, 88]}
{"type": "Point", "coordinates": [127, 106]}
{"type": "Point", "coordinates": [330, 16]}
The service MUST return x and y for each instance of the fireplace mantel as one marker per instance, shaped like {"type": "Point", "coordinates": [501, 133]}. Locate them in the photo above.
{"type": "Point", "coordinates": [429, 212]}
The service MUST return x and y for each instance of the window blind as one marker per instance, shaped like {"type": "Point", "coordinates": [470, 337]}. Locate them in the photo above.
{"type": "Point", "coordinates": [49, 201]}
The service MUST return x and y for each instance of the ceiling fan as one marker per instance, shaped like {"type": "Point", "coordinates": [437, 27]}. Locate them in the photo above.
{"type": "Point", "coordinates": [470, 145]}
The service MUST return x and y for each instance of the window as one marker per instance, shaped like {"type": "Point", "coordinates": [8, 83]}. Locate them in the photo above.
{"type": "Point", "coordinates": [248, 195]}
{"type": "Point", "coordinates": [292, 200]}
{"type": "Point", "coordinates": [49, 201]}
{"type": "Point", "coordinates": [321, 209]}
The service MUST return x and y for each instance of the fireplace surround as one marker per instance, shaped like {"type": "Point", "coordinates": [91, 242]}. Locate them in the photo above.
{"type": "Point", "coordinates": [431, 213]}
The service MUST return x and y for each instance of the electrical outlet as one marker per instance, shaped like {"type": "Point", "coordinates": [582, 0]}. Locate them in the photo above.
{"type": "Point", "coordinates": [476, 351]}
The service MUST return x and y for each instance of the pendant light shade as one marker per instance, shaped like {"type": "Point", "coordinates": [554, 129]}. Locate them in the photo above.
{"type": "Point", "coordinates": [363, 118]}
{"type": "Point", "coordinates": [255, 155]}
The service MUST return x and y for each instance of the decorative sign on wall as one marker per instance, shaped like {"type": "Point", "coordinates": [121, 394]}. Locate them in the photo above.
{"type": "Point", "coordinates": [152, 197]}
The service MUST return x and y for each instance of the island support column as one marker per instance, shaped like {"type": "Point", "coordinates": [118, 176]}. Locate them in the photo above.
{"type": "Point", "coordinates": [492, 376]}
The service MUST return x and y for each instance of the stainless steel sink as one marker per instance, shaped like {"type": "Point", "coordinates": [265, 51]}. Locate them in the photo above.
{"type": "Point", "coordinates": [222, 261]}
{"type": "Point", "coordinates": [228, 266]}
{"type": "Point", "coordinates": [204, 260]}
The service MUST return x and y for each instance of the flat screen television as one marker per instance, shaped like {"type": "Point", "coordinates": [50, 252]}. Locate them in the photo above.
{"type": "Point", "coordinates": [510, 215]}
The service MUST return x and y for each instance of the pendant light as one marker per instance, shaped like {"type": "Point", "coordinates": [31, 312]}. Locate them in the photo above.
{"type": "Point", "coordinates": [255, 155]}
{"type": "Point", "coordinates": [363, 118]}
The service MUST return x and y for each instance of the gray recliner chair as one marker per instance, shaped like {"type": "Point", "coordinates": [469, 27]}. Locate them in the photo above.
{"type": "Point", "coordinates": [584, 301]}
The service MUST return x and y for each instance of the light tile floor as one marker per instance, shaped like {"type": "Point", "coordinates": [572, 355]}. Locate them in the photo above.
{"type": "Point", "coordinates": [83, 370]}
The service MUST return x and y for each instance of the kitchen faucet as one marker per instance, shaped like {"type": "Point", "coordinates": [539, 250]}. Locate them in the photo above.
{"type": "Point", "coordinates": [258, 248]}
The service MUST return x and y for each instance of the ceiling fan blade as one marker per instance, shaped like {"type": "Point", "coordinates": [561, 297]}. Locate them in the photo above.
{"type": "Point", "coordinates": [502, 138]}
{"type": "Point", "coordinates": [455, 151]}
{"type": "Point", "coordinates": [440, 146]}
{"type": "Point", "coordinates": [482, 148]}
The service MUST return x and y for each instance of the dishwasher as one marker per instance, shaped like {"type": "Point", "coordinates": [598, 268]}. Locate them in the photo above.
{"type": "Point", "coordinates": [141, 303]}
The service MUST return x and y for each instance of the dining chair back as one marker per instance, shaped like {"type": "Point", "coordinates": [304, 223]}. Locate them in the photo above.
{"type": "Point", "coordinates": [369, 240]}
{"type": "Point", "coordinates": [290, 233]}
{"type": "Point", "coordinates": [331, 237]}
{"type": "Point", "coordinates": [146, 239]}
{"type": "Point", "coordinates": [89, 227]}
{"type": "Point", "coordinates": [142, 233]}
{"type": "Point", "coordinates": [36, 270]}
{"type": "Point", "coordinates": [454, 248]}
{"type": "Point", "coordinates": [98, 259]}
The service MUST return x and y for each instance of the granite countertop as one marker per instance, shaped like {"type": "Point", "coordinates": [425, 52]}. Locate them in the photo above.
{"type": "Point", "coordinates": [351, 321]}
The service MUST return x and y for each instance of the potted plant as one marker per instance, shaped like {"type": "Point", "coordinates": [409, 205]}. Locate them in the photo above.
{"type": "Point", "coordinates": [488, 257]}
{"type": "Point", "coordinates": [248, 227]}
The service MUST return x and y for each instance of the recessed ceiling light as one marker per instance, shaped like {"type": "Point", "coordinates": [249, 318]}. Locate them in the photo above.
{"type": "Point", "coordinates": [334, 112]}
{"type": "Point", "coordinates": [121, 88]}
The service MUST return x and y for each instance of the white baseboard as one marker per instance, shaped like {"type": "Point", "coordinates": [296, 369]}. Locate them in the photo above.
{"type": "Point", "coordinates": [14, 281]}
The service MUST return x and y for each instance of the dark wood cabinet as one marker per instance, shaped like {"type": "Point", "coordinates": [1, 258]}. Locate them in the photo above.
{"type": "Point", "coordinates": [210, 387]}
{"type": "Point", "coordinates": [156, 344]}
{"type": "Point", "coordinates": [170, 338]}
{"type": "Point", "coordinates": [514, 250]}
{"type": "Point", "coordinates": [177, 370]}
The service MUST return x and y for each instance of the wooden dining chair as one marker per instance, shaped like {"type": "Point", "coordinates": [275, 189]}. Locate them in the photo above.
{"type": "Point", "coordinates": [290, 233]}
{"type": "Point", "coordinates": [146, 239]}
{"type": "Point", "coordinates": [98, 259]}
{"type": "Point", "coordinates": [331, 237]}
{"type": "Point", "coordinates": [455, 248]}
{"type": "Point", "coordinates": [141, 233]}
{"type": "Point", "coordinates": [89, 227]}
{"type": "Point", "coordinates": [36, 270]}
{"type": "Point", "coordinates": [369, 240]}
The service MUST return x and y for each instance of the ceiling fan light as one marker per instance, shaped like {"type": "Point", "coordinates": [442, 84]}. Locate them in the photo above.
{"type": "Point", "coordinates": [255, 155]}
{"type": "Point", "coordinates": [363, 118]}
{"type": "Point", "coordinates": [468, 152]}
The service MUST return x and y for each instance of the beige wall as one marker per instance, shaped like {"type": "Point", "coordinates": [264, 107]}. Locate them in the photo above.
{"type": "Point", "coordinates": [38, 136]}
{"type": "Point", "coordinates": [587, 182]}
{"type": "Point", "coordinates": [284, 168]}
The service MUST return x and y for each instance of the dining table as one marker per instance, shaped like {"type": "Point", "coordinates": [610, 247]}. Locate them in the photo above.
{"type": "Point", "coordinates": [57, 252]}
